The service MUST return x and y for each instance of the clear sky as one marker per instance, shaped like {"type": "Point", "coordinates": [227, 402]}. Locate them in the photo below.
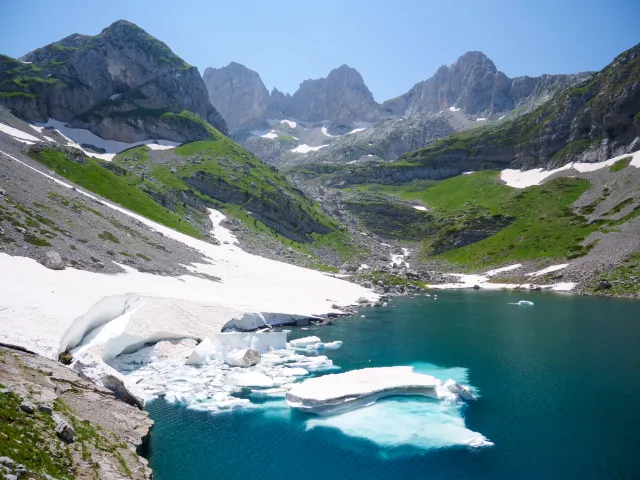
{"type": "Point", "coordinates": [393, 44]}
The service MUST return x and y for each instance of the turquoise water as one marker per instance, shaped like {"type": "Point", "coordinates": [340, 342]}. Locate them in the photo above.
{"type": "Point", "coordinates": [559, 387]}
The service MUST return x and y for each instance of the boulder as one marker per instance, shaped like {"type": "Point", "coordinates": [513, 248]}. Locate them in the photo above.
{"type": "Point", "coordinates": [48, 409]}
{"type": "Point", "coordinates": [363, 300]}
{"type": "Point", "coordinates": [245, 357]}
{"type": "Point", "coordinates": [604, 285]}
{"type": "Point", "coordinates": [65, 431]}
{"type": "Point", "coordinates": [53, 261]}
{"type": "Point", "coordinates": [27, 407]}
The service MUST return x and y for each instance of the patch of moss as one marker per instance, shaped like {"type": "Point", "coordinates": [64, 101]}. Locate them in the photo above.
{"type": "Point", "coordinates": [620, 164]}
{"type": "Point", "coordinates": [108, 236]}
{"type": "Point", "coordinates": [35, 240]}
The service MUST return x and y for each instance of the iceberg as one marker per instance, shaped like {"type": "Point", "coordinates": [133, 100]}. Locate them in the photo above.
{"type": "Point", "coordinates": [303, 342]}
{"type": "Point", "coordinates": [338, 393]}
{"type": "Point", "coordinates": [245, 357]}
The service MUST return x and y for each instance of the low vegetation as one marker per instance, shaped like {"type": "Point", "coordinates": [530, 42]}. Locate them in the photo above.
{"type": "Point", "coordinates": [534, 223]}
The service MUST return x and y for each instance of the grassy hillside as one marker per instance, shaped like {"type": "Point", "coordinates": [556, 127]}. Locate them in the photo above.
{"type": "Point", "coordinates": [500, 223]}
{"type": "Point", "coordinates": [174, 187]}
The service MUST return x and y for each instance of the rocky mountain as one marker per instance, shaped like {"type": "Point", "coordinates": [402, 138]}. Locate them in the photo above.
{"type": "Point", "coordinates": [122, 84]}
{"type": "Point", "coordinates": [385, 141]}
{"type": "Point", "coordinates": [341, 99]}
{"type": "Point", "coordinates": [238, 93]}
{"type": "Point", "coordinates": [476, 86]}
{"type": "Point", "coordinates": [594, 120]}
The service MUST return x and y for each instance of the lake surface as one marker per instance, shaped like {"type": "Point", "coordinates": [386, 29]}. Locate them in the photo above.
{"type": "Point", "coordinates": [559, 387]}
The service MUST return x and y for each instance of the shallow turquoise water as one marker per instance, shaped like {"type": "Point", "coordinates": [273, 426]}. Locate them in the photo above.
{"type": "Point", "coordinates": [559, 387]}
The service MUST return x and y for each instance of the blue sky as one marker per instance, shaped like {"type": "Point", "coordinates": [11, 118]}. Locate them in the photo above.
{"type": "Point", "coordinates": [393, 44]}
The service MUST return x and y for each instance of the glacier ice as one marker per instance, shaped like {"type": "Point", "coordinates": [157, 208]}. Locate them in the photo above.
{"type": "Point", "coordinates": [245, 357]}
{"type": "Point", "coordinates": [336, 393]}
{"type": "Point", "coordinates": [304, 341]}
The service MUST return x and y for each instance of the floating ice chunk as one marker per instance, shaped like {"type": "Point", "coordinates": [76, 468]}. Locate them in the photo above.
{"type": "Point", "coordinates": [199, 354]}
{"type": "Point", "coordinates": [345, 391]}
{"type": "Point", "coordinates": [250, 379]}
{"type": "Point", "coordinates": [459, 390]}
{"type": "Point", "coordinates": [421, 423]}
{"type": "Point", "coordinates": [303, 342]}
{"type": "Point", "coordinates": [525, 303]}
{"type": "Point", "coordinates": [333, 345]}
{"type": "Point", "coordinates": [245, 357]}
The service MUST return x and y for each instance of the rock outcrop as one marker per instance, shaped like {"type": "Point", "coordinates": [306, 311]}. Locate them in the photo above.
{"type": "Point", "coordinates": [474, 85]}
{"type": "Point", "coordinates": [122, 84]}
{"type": "Point", "coordinates": [79, 429]}
{"type": "Point", "coordinates": [342, 98]}
{"type": "Point", "coordinates": [237, 93]}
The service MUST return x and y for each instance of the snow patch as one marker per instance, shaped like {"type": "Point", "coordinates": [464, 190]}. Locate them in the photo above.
{"type": "Point", "coordinates": [306, 148]}
{"type": "Point", "coordinates": [77, 136]}
{"type": "Point", "coordinates": [290, 123]}
{"type": "Point", "coordinates": [271, 134]}
{"type": "Point", "coordinates": [115, 97]}
{"type": "Point", "coordinates": [326, 133]}
{"type": "Point", "coordinates": [17, 134]}
{"type": "Point", "coordinates": [356, 130]}
{"type": "Point", "coordinates": [421, 208]}
{"type": "Point", "coordinates": [481, 119]}
{"type": "Point", "coordinates": [493, 272]}
{"type": "Point", "coordinates": [544, 271]}
{"type": "Point", "coordinates": [468, 173]}
{"type": "Point", "coordinates": [454, 109]}
{"type": "Point", "coordinates": [535, 176]}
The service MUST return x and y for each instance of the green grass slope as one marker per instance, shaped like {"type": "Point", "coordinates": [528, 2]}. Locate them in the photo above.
{"type": "Point", "coordinates": [502, 224]}
{"type": "Point", "coordinates": [174, 187]}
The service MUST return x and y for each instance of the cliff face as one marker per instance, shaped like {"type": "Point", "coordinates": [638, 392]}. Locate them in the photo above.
{"type": "Point", "coordinates": [237, 93]}
{"type": "Point", "coordinates": [96, 81]}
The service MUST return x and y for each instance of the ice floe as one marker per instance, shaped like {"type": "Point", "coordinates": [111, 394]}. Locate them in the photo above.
{"type": "Point", "coordinates": [397, 423]}
{"type": "Point", "coordinates": [535, 176]}
{"type": "Point", "coordinates": [338, 393]}
{"type": "Point", "coordinates": [214, 383]}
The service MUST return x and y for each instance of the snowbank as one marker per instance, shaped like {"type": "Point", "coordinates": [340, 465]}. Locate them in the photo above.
{"type": "Point", "coordinates": [78, 136]}
{"type": "Point", "coordinates": [290, 123]}
{"type": "Point", "coordinates": [535, 176]}
{"type": "Point", "coordinates": [544, 271]}
{"type": "Point", "coordinates": [306, 148]}
{"type": "Point", "coordinates": [420, 207]}
{"type": "Point", "coordinates": [40, 304]}
{"type": "Point", "coordinates": [466, 281]}
{"type": "Point", "coordinates": [270, 134]}
{"type": "Point", "coordinates": [18, 134]}
{"type": "Point", "coordinates": [491, 273]}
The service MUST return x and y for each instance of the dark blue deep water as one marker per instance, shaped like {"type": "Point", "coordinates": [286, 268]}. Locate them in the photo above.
{"type": "Point", "coordinates": [559, 385]}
